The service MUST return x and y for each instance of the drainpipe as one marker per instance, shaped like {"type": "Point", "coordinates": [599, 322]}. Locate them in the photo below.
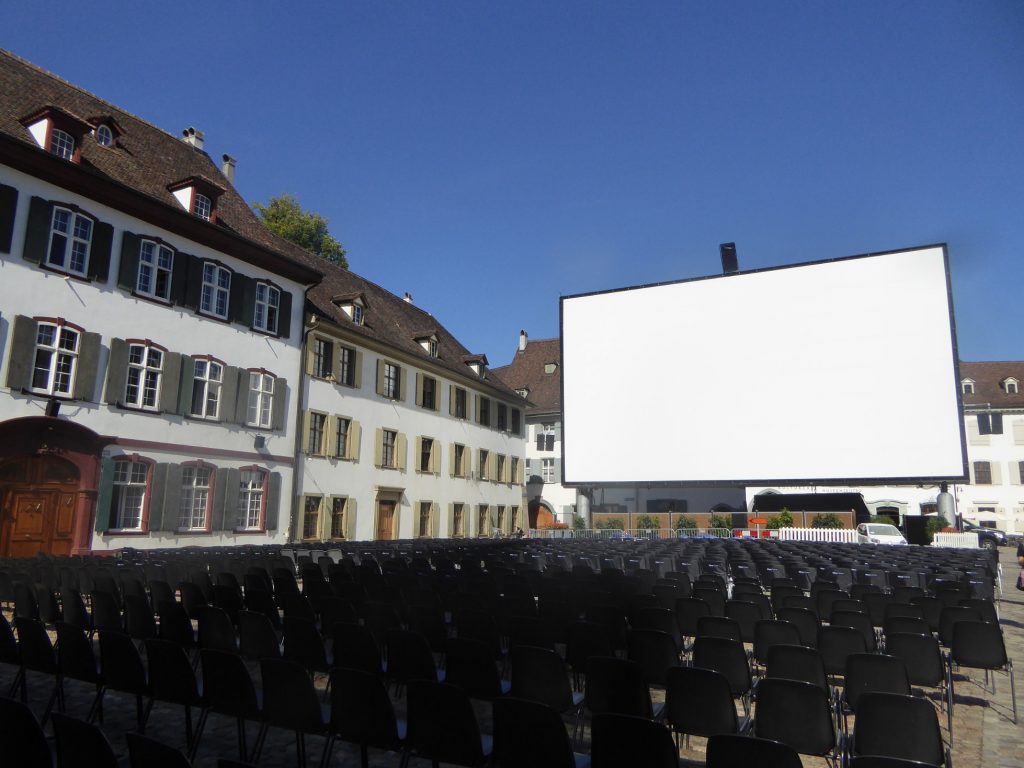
{"type": "Point", "coordinates": [299, 466]}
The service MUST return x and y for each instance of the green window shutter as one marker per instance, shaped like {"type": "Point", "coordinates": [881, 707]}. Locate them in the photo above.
{"type": "Point", "coordinates": [23, 345]}
{"type": "Point", "coordinates": [193, 282]}
{"type": "Point", "coordinates": [380, 377]}
{"type": "Point", "coordinates": [169, 381]}
{"type": "Point", "coordinates": [419, 389]}
{"type": "Point", "coordinates": [104, 495]}
{"type": "Point", "coordinates": [273, 501]}
{"type": "Point", "coordinates": [400, 451]}
{"type": "Point", "coordinates": [171, 500]}
{"type": "Point", "coordinates": [239, 310]}
{"type": "Point", "coordinates": [186, 383]}
{"type": "Point", "coordinates": [225, 503]}
{"type": "Point", "coordinates": [278, 409]}
{"type": "Point", "coordinates": [128, 269]}
{"type": "Point", "coordinates": [157, 491]}
{"type": "Point", "coordinates": [88, 364]}
{"type": "Point", "coordinates": [558, 470]}
{"type": "Point", "coordinates": [242, 396]}
{"type": "Point", "coordinates": [402, 376]}
{"type": "Point", "coordinates": [284, 315]}
{"type": "Point", "coordinates": [354, 438]}
{"type": "Point", "coordinates": [357, 378]}
{"type": "Point", "coordinates": [99, 251]}
{"type": "Point", "coordinates": [350, 518]}
{"type": "Point", "coordinates": [8, 208]}
{"type": "Point", "coordinates": [37, 232]}
{"type": "Point", "coordinates": [378, 447]}
{"type": "Point", "coordinates": [117, 370]}
{"type": "Point", "coordinates": [182, 272]}
{"type": "Point", "coordinates": [228, 394]}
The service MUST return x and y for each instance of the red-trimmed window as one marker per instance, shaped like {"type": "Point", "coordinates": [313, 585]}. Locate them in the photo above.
{"type": "Point", "coordinates": [252, 499]}
{"type": "Point", "coordinates": [55, 361]}
{"type": "Point", "coordinates": [129, 503]}
{"type": "Point", "coordinates": [261, 399]}
{"type": "Point", "coordinates": [197, 481]}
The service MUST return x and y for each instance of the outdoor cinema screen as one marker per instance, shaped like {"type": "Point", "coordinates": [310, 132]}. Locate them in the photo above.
{"type": "Point", "coordinates": [834, 371]}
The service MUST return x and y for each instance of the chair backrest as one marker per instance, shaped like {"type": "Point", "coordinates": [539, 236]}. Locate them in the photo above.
{"type": "Point", "coordinates": [698, 702]}
{"type": "Point", "coordinates": [616, 685]}
{"type": "Point", "coordinates": [769, 632]}
{"type": "Point", "coordinates": [442, 725]}
{"type": "Point", "coordinates": [921, 655]}
{"type": "Point", "coordinates": [805, 621]}
{"type": "Point", "coordinates": [138, 617]}
{"type": "Point", "coordinates": [175, 624]}
{"type": "Point", "coordinates": [470, 665]}
{"type": "Point", "coordinates": [856, 620]}
{"type": "Point", "coordinates": [75, 655]}
{"type": "Point", "coordinates": [797, 662]}
{"type": "Point", "coordinates": [409, 657]}
{"type": "Point", "coordinates": [891, 725]}
{"type": "Point", "coordinates": [866, 672]}
{"type": "Point", "coordinates": [106, 611]}
{"type": "Point", "coordinates": [728, 751]}
{"type": "Point", "coordinates": [361, 710]}
{"type": "Point", "coordinates": [836, 643]}
{"type": "Point", "coordinates": [746, 614]}
{"type": "Point", "coordinates": [76, 738]}
{"type": "Point", "coordinates": [8, 643]}
{"type": "Point", "coordinates": [796, 713]}
{"type": "Point", "coordinates": [688, 611]}
{"type": "Point", "coordinates": [289, 698]}
{"type": "Point", "coordinates": [216, 630]}
{"type": "Point", "coordinates": [619, 740]}
{"type": "Point", "coordinates": [656, 652]}
{"type": "Point", "coordinates": [530, 733]}
{"type": "Point", "coordinates": [539, 674]}
{"type": "Point", "coordinates": [34, 645]}
{"type": "Point", "coordinates": [719, 626]}
{"type": "Point", "coordinates": [227, 686]}
{"type": "Point", "coordinates": [24, 743]}
{"type": "Point", "coordinates": [170, 673]}
{"type": "Point", "coordinates": [952, 615]}
{"type": "Point", "coordinates": [303, 644]}
{"type": "Point", "coordinates": [725, 656]}
{"type": "Point", "coordinates": [978, 644]}
{"type": "Point", "coordinates": [144, 752]}
{"type": "Point", "coordinates": [257, 639]}
{"type": "Point", "coordinates": [355, 646]}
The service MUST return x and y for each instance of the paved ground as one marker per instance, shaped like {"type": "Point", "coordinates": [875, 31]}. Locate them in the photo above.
{"type": "Point", "coordinates": [984, 734]}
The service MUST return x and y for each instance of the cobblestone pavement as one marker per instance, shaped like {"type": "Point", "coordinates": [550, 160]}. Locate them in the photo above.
{"type": "Point", "coordinates": [984, 733]}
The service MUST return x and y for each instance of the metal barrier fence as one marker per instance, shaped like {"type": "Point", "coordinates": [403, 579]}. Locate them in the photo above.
{"type": "Point", "coordinates": [629, 534]}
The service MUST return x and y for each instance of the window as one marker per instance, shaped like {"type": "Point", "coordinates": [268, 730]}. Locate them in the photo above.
{"type": "Point", "coordinates": [55, 359]}
{"type": "Point", "coordinates": [547, 470]}
{"type": "Point", "coordinates": [967, 387]}
{"type": "Point", "coordinates": [208, 375]}
{"type": "Point", "coordinates": [156, 263]}
{"type": "Point", "coordinates": [427, 395]}
{"type": "Point", "coordinates": [513, 474]}
{"type": "Point", "coordinates": [929, 508]}
{"type": "Point", "coordinates": [195, 497]}
{"type": "Point", "coordinates": [202, 206]}
{"type": "Point", "coordinates": [483, 520]}
{"type": "Point", "coordinates": [341, 433]}
{"type": "Point", "coordinates": [387, 454]}
{"type": "Point", "coordinates": [432, 347]}
{"type": "Point", "coordinates": [423, 524]}
{"type": "Point", "coordinates": [990, 423]}
{"type": "Point", "coordinates": [261, 399]}
{"type": "Point", "coordinates": [483, 414]}
{"type": "Point", "coordinates": [458, 519]}
{"type": "Point", "coordinates": [458, 460]}
{"type": "Point", "coordinates": [499, 468]}
{"type": "Point", "coordinates": [311, 517]}
{"type": "Point", "coordinates": [104, 136]}
{"type": "Point", "coordinates": [338, 517]}
{"type": "Point", "coordinates": [315, 433]}
{"type": "Point", "coordinates": [392, 385]}
{"type": "Point", "coordinates": [357, 314]}
{"type": "Point", "coordinates": [460, 403]}
{"type": "Point", "coordinates": [546, 437]}
{"type": "Point", "coordinates": [347, 367]}
{"type": "Point", "coordinates": [62, 144]}
{"type": "Point", "coordinates": [502, 416]}
{"type": "Point", "coordinates": [982, 473]}
{"type": "Point", "coordinates": [322, 362]}
{"type": "Point", "coordinates": [500, 520]}
{"type": "Point", "coordinates": [1010, 386]}
{"type": "Point", "coordinates": [483, 458]}
{"type": "Point", "coordinates": [70, 238]}
{"type": "Point", "coordinates": [513, 519]}
{"type": "Point", "coordinates": [426, 454]}
{"type": "Point", "coordinates": [130, 479]}
{"type": "Point", "coordinates": [216, 290]}
{"type": "Point", "coordinates": [251, 493]}
{"type": "Point", "coordinates": [145, 364]}
{"type": "Point", "coordinates": [516, 421]}
{"type": "Point", "coordinates": [268, 303]}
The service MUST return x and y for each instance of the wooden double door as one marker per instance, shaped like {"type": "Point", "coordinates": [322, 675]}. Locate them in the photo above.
{"type": "Point", "coordinates": [38, 496]}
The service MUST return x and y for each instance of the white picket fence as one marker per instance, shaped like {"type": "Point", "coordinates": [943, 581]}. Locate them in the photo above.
{"type": "Point", "coordinates": [959, 540]}
{"type": "Point", "coordinates": [818, 534]}
{"type": "Point", "coordinates": [784, 534]}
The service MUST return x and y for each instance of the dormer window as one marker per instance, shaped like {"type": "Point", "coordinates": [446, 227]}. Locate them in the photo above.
{"type": "Point", "coordinates": [202, 206]}
{"type": "Point", "coordinates": [62, 144]}
{"type": "Point", "coordinates": [523, 393]}
{"type": "Point", "coordinates": [550, 367]}
{"type": "Point", "coordinates": [357, 314]}
{"type": "Point", "coordinates": [967, 387]}
{"type": "Point", "coordinates": [1010, 386]}
{"type": "Point", "coordinates": [104, 136]}
{"type": "Point", "coordinates": [429, 343]}
{"type": "Point", "coordinates": [58, 132]}
{"type": "Point", "coordinates": [477, 363]}
{"type": "Point", "coordinates": [198, 196]}
{"type": "Point", "coordinates": [353, 305]}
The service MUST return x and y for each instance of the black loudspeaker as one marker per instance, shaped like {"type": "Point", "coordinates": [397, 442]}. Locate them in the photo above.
{"type": "Point", "coordinates": [53, 408]}
{"type": "Point", "coordinates": [729, 261]}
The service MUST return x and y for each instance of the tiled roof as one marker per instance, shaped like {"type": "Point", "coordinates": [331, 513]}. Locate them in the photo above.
{"type": "Point", "coordinates": [144, 158]}
{"type": "Point", "coordinates": [987, 378]}
{"type": "Point", "coordinates": [526, 371]}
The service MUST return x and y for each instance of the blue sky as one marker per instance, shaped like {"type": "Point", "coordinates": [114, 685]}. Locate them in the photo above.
{"type": "Point", "coordinates": [490, 157]}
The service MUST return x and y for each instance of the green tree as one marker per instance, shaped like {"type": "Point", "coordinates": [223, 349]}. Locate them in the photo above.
{"type": "Point", "coordinates": [782, 520]}
{"type": "Point", "coordinates": [610, 523]}
{"type": "Point", "coordinates": [828, 520]}
{"type": "Point", "coordinates": [683, 521]}
{"type": "Point", "coordinates": [721, 521]}
{"type": "Point", "coordinates": [646, 523]}
{"type": "Point", "coordinates": [284, 216]}
{"type": "Point", "coordinates": [578, 523]}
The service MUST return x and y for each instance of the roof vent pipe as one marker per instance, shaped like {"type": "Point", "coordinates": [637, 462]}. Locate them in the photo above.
{"type": "Point", "coordinates": [523, 339]}
{"type": "Point", "coordinates": [408, 298]}
{"type": "Point", "coordinates": [228, 168]}
{"type": "Point", "coordinates": [192, 136]}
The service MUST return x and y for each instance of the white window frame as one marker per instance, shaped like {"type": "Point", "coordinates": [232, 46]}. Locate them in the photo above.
{"type": "Point", "coordinates": [341, 436]}
{"type": "Point", "coordinates": [266, 315]}
{"type": "Point", "coordinates": [104, 136]}
{"type": "Point", "coordinates": [260, 412]}
{"type": "Point", "coordinates": [347, 366]}
{"type": "Point", "coordinates": [216, 290]}
{"type": "Point", "coordinates": [57, 355]}
{"type": "Point", "coordinates": [323, 363]}
{"type": "Point", "coordinates": [70, 237]}
{"type": "Point", "coordinates": [145, 374]}
{"type": "Point", "coordinates": [202, 206]}
{"type": "Point", "coordinates": [62, 144]}
{"type": "Point", "coordinates": [207, 380]}
{"type": "Point", "coordinates": [967, 387]}
{"type": "Point", "coordinates": [156, 263]}
{"type": "Point", "coordinates": [196, 494]}
{"type": "Point", "coordinates": [547, 470]}
{"type": "Point", "coordinates": [129, 493]}
{"type": "Point", "coordinates": [357, 314]}
{"type": "Point", "coordinates": [392, 381]}
{"type": "Point", "coordinates": [252, 489]}
{"type": "Point", "coordinates": [389, 448]}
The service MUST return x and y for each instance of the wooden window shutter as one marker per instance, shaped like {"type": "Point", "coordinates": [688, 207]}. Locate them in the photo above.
{"type": "Point", "coordinates": [179, 276]}
{"type": "Point", "coordinates": [304, 437]}
{"type": "Point", "coordinates": [378, 447]}
{"type": "Point", "coordinates": [1018, 432]}
{"type": "Point", "coordinates": [1015, 467]}
{"type": "Point", "coordinates": [419, 388]}
{"type": "Point", "coordinates": [99, 251]}
{"type": "Point", "coordinates": [242, 299]}
{"type": "Point", "coordinates": [402, 376]}
{"type": "Point", "coordinates": [117, 370]}
{"type": "Point", "coordinates": [451, 399]}
{"type": "Point", "coordinates": [435, 522]}
{"type": "Point", "coordinates": [451, 460]}
{"type": "Point", "coordinates": [88, 364]}
{"type": "Point", "coordinates": [37, 236]}
{"type": "Point", "coordinates": [170, 377]}
{"type": "Point", "coordinates": [226, 496]}
{"type": "Point", "coordinates": [310, 346]}
{"type": "Point", "coordinates": [354, 437]}
{"type": "Point", "coordinates": [400, 451]}
{"type": "Point", "coordinates": [128, 269]}
{"type": "Point", "coordinates": [350, 518]}
{"type": "Point", "coordinates": [357, 373]}
{"type": "Point", "coordinates": [193, 283]}
{"type": "Point", "coordinates": [417, 453]}
{"type": "Point", "coordinates": [329, 440]}
{"type": "Point", "coordinates": [476, 407]}
{"type": "Point", "coordinates": [8, 208]}
{"type": "Point", "coordinates": [170, 503]}
{"type": "Point", "coordinates": [284, 315]}
{"type": "Point", "coordinates": [435, 457]}
{"type": "Point", "coordinates": [380, 377]}
{"type": "Point", "coordinates": [492, 467]}
{"type": "Point", "coordinates": [451, 519]}
{"type": "Point", "coordinates": [997, 476]}
{"type": "Point", "coordinates": [23, 344]}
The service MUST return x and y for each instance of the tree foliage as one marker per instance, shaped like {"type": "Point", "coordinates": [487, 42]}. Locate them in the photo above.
{"type": "Point", "coordinates": [284, 216]}
{"type": "Point", "coordinates": [828, 520]}
{"type": "Point", "coordinates": [611, 523]}
{"type": "Point", "coordinates": [782, 520]}
{"type": "Point", "coordinates": [647, 523]}
{"type": "Point", "coordinates": [686, 522]}
{"type": "Point", "coordinates": [721, 521]}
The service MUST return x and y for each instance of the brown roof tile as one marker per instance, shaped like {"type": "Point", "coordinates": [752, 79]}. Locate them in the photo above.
{"type": "Point", "coordinates": [988, 378]}
{"type": "Point", "coordinates": [526, 371]}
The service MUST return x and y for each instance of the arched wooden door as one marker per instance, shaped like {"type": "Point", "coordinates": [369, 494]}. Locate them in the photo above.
{"type": "Point", "coordinates": [38, 496]}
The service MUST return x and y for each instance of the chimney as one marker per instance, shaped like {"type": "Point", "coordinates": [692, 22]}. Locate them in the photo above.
{"type": "Point", "coordinates": [191, 136]}
{"type": "Point", "coordinates": [228, 168]}
{"type": "Point", "coordinates": [729, 262]}
{"type": "Point", "coordinates": [523, 339]}
{"type": "Point", "coordinates": [408, 298]}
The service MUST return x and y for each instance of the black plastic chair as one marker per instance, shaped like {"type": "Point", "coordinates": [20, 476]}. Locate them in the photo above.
{"type": "Point", "coordinates": [356, 647]}
{"type": "Point", "coordinates": [77, 661]}
{"type": "Point", "coordinates": [470, 665]}
{"type": "Point", "coordinates": [192, 599]}
{"type": "Point", "coordinates": [773, 632]}
{"type": "Point", "coordinates": [688, 611]}
{"type": "Point", "coordinates": [904, 727]}
{"type": "Point", "coordinates": [797, 662]}
{"type": "Point", "coordinates": [73, 609]}
{"type": "Point", "coordinates": [443, 727]}
{"type": "Point", "coordinates": [733, 751]}
{"type": "Point", "coordinates": [138, 618]}
{"type": "Point", "coordinates": [228, 690]}
{"type": "Point", "coordinates": [256, 637]}
{"type": "Point", "coordinates": [699, 702]}
{"type": "Point", "coordinates": [144, 752]}
{"type": "Point", "coordinates": [951, 616]}
{"type": "Point", "coordinates": [806, 623]}
{"type": "Point", "coordinates": [661, 620]}
{"type": "Point", "coordinates": [585, 640]}
{"type": "Point", "coordinates": [540, 675]}
{"type": "Point", "coordinates": [925, 665]}
{"type": "Point", "coordinates": [216, 632]}
{"type": "Point", "coordinates": [22, 737]}
{"type": "Point", "coordinates": [729, 658]}
{"type": "Point", "coordinates": [746, 614]}
{"type": "Point", "coordinates": [867, 672]}
{"type": "Point", "coordinates": [836, 643]}
{"type": "Point", "coordinates": [123, 671]}
{"type": "Point", "coordinates": [290, 701]}
{"type": "Point", "coordinates": [106, 611]}
{"type": "Point", "coordinates": [656, 653]}
{"type": "Point", "coordinates": [37, 655]}
{"type": "Point", "coordinates": [25, 604]}
{"type": "Point", "coordinates": [362, 713]}
{"type": "Point", "coordinates": [618, 686]}
{"type": "Point", "coordinates": [798, 714]}
{"type": "Point", "coordinates": [77, 739]}
{"type": "Point", "coordinates": [719, 626]}
{"type": "Point", "coordinates": [304, 646]}
{"type": "Point", "coordinates": [618, 740]}
{"type": "Point", "coordinates": [409, 658]}
{"type": "Point", "coordinates": [906, 625]}
{"type": "Point", "coordinates": [260, 601]}
{"type": "Point", "coordinates": [171, 680]}
{"type": "Point", "coordinates": [229, 600]}
{"type": "Point", "coordinates": [529, 733]}
{"type": "Point", "coordinates": [980, 645]}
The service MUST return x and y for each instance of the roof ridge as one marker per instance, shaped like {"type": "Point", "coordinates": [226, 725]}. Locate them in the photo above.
{"type": "Point", "coordinates": [91, 95]}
